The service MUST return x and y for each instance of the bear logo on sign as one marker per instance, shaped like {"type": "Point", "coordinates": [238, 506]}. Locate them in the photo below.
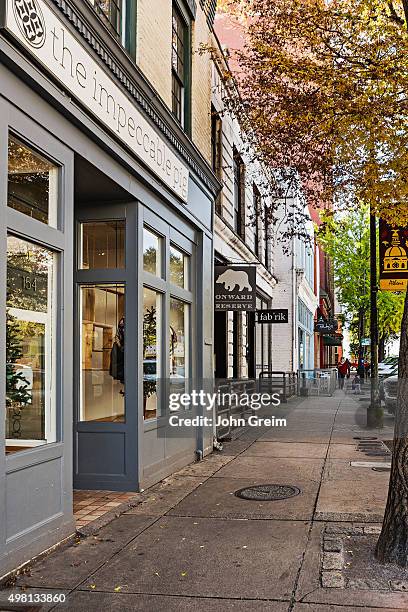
{"type": "Point", "coordinates": [232, 278]}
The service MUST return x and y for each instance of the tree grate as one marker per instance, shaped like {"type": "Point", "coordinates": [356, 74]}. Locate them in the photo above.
{"type": "Point", "coordinates": [267, 492]}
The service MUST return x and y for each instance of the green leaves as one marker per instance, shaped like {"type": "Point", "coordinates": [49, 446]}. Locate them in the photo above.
{"type": "Point", "coordinates": [345, 237]}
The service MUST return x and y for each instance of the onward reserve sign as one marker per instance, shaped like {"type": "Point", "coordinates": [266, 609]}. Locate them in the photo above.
{"type": "Point", "coordinates": [393, 257]}
{"type": "Point", "coordinates": [46, 37]}
{"type": "Point", "coordinates": [235, 288]}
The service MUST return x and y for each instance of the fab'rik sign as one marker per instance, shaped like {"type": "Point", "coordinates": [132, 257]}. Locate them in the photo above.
{"type": "Point", "coordinates": [40, 31]}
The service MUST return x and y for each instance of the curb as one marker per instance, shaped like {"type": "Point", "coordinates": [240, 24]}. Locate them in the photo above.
{"type": "Point", "coordinates": [348, 517]}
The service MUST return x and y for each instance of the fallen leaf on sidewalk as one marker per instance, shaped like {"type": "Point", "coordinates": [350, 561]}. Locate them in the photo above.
{"type": "Point", "coordinates": [117, 589]}
{"type": "Point", "coordinates": [184, 573]}
{"type": "Point", "coordinates": [93, 586]}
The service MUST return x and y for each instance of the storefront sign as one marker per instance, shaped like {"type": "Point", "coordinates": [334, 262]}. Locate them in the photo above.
{"type": "Point", "coordinates": [332, 340]}
{"type": "Point", "coordinates": [273, 315]}
{"type": "Point", "coordinates": [393, 257]}
{"type": "Point", "coordinates": [40, 31]}
{"type": "Point", "coordinates": [235, 287]}
{"type": "Point", "coordinates": [322, 326]}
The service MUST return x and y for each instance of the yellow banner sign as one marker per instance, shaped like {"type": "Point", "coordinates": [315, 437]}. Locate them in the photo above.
{"type": "Point", "coordinates": [394, 284]}
{"type": "Point", "coordinates": [393, 257]}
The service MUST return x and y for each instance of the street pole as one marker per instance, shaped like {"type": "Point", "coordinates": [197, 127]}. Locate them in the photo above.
{"type": "Point", "coordinates": [374, 409]}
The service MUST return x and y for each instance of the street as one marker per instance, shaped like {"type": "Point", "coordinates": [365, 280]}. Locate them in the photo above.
{"type": "Point", "coordinates": [191, 544]}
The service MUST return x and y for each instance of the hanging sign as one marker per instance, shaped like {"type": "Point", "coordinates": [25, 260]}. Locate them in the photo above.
{"type": "Point", "coordinates": [393, 257]}
{"type": "Point", "coordinates": [46, 37]}
{"type": "Point", "coordinates": [235, 287]}
{"type": "Point", "coordinates": [324, 326]}
{"type": "Point", "coordinates": [273, 315]}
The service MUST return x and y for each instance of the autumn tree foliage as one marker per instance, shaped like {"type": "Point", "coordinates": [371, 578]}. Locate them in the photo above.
{"type": "Point", "coordinates": [323, 89]}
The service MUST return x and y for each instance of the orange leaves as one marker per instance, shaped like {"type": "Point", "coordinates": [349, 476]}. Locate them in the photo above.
{"type": "Point", "coordinates": [326, 88]}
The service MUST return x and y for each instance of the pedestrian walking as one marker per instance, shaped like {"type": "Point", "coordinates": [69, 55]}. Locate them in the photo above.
{"type": "Point", "coordinates": [343, 370]}
{"type": "Point", "coordinates": [356, 384]}
{"type": "Point", "coordinates": [361, 370]}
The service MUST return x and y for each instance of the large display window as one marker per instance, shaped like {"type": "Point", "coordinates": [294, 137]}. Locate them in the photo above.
{"type": "Point", "coordinates": [31, 297]}
{"type": "Point", "coordinates": [167, 302]}
{"type": "Point", "coordinates": [32, 183]}
{"type": "Point", "coordinates": [30, 346]}
{"type": "Point", "coordinates": [102, 353]}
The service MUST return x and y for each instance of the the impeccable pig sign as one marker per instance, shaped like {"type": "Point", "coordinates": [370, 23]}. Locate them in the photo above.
{"type": "Point", "coordinates": [41, 32]}
{"type": "Point", "coordinates": [235, 288]}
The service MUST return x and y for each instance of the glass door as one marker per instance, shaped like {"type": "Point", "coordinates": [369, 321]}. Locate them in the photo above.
{"type": "Point", "coordinates": [106, 346]}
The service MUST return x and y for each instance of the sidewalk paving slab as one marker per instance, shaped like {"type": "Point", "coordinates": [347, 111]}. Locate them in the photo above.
{"type": "Point", "coordinates": [234, 447]}
{"type": "Point", "coordinates": [80, 601]}
{"type": "Point", "coordinates": [286, 449]}
{"type": "Point", "coordinates": [291, 469]}
{"type": "Point", "coordinates": [340, 469]}
{"type": "Point", "coordinates": [349, 453]}
{"type": "Point", "coordinates": [166, 494]}
{"type": "Point", "coordinates": [216, 498]}
{"type": "Point", "coordinates": [209, 558]}
{"type": "Point", "coordinates": [350, 493]}
{"type": "Point", "coordinates": [338, 608]}
{"type": "Point", "coordinates": [68, 567]}
{"type": "Point", "coordinates": [206, 468]}
{"type": "Point", "coordinates": [310, 436]}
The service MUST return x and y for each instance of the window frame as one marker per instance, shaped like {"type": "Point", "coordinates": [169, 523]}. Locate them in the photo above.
{"type": "Point", "coordinates": [257, 205]}
{"type": "Point", "coordinates": [80, 239]}
{"type": "Point", "coordinates": [81, 414]}
{"type": "Point", "coordinates": [168, 290]}
{"type": "Point", "coordinates": [126, 36]}
{"type": "Point", "coordinates": [184, 83]}
{"type": "Point", "coordinates": [238, 194]}
{"type": "Point", "coordinates": [59, 243]}
{"type": "Point", "coordinates": [216, 153]}
{"type": "Point", "coordinates": [267, 251]}
{"type": "Point", "coordinates": [49, 319]}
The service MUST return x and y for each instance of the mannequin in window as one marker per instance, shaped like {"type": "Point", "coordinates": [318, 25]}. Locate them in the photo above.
{"type": "Point", "coordinates": [117, 362]}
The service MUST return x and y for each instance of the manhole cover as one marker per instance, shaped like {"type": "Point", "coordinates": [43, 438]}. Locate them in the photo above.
{"type": "Point", "coordinates": [268, 492]}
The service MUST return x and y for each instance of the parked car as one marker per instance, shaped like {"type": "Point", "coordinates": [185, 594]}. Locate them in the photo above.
{"type": "Point", "coordinates": [390, 390]}
{"type": "Point", "coordinates": [388, 365]}
{"type": "Point", "coordinates": [150, 369]}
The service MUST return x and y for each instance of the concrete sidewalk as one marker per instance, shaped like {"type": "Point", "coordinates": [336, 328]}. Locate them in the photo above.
{"type": "Point", "coordinates": [191, 544]}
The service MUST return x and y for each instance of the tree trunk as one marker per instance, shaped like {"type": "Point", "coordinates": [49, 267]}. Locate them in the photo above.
{"type": "Point", "coordinates": [381, 349]}
{"type": "Point", "coordinates": [392, 546]}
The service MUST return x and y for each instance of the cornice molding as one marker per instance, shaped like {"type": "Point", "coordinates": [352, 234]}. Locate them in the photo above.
{"type": "Point", "coordinates": [161, 118]}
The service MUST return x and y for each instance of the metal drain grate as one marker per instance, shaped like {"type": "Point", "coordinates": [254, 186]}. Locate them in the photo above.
{"type": "Point", "coordinates": [267, 492]}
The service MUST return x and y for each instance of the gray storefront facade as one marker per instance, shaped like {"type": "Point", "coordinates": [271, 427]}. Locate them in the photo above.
{"type": "Point", "coordinates": [106, 260]}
